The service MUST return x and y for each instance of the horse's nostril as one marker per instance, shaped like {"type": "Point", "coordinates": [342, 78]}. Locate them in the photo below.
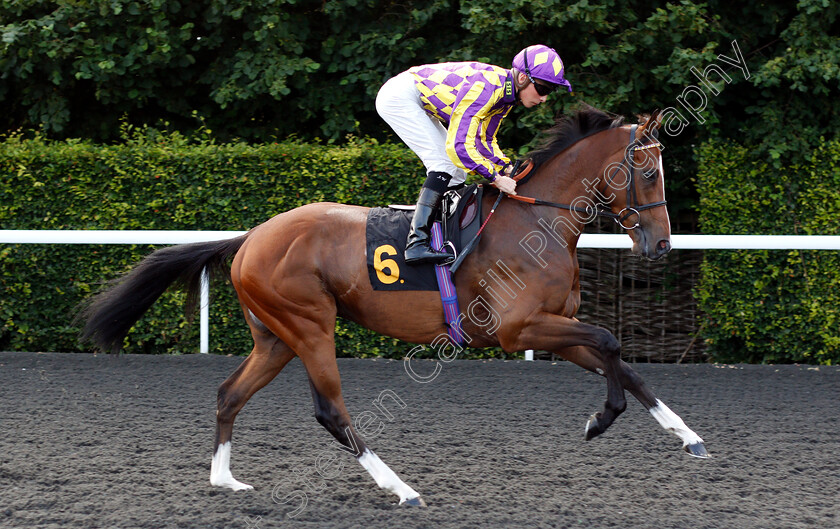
{"type": "Point", "coordinates": [664, 246]}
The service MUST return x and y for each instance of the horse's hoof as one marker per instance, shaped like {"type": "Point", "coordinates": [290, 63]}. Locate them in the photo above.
{"type": "Point", "coordinates": [417, 501]}
{"type": "Point", "coordinates": [697, 450]}
{"type": "Point", "coordinates": [593, 428]}
{"type": "Point", "coordinates": [231, 484]}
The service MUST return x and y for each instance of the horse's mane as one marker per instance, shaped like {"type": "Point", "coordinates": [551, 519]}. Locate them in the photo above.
{"type": "Point", "coordinates": [570, 129]}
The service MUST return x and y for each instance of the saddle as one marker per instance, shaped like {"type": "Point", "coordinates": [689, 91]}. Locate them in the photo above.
{"type": "Point", "coordinates": [387, 230]}
{"type": "Point", "coordinates": [459, 215]}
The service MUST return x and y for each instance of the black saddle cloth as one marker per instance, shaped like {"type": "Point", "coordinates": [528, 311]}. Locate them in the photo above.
{"type": "Point", "coordinates": [387, 230]}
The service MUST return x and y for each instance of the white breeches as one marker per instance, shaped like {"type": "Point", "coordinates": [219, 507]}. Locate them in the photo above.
{"type": "Point", "coordinates": [398, 102]}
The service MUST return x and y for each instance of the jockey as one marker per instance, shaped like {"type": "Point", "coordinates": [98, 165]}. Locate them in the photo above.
{"type": "Point", "coordinates": [448, 114]}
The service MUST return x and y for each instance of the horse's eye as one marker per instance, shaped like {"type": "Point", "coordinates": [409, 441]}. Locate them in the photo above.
{"type": "Point", "coordinates": [650, 173]}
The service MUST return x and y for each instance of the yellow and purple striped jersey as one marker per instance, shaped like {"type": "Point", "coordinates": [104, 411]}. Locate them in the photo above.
{"type": "Point", "coordinates": [471, 99]}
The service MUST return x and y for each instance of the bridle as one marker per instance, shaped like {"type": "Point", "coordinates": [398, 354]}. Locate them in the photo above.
{"type": "Point", "coordinates": [631, 209]}
{"type": "Point", "coordinates": [522, 176]}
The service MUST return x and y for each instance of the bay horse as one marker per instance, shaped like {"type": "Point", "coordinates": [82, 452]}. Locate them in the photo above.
{"type": "Point", "coordinates": [297, 272]}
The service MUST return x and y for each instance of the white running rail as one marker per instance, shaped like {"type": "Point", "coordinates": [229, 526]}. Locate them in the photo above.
{"type": "Point", "coordinates": [587, 240]}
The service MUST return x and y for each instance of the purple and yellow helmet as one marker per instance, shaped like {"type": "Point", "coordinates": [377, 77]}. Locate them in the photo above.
{"type": "Point", "coordinates": [541, 62]}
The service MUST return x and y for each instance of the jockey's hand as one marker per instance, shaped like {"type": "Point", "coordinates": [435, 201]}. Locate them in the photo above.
{"type": "Point", "coordinates": [505, 184]}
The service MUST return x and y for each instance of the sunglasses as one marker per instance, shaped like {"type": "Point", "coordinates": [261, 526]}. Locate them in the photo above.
{"type": "Point", "coordinates": [542, 89]}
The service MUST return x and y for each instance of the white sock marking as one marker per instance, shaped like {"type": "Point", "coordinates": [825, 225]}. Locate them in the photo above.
{"type": "Point", "coordinates": [385, 477]}
{"type": "Point", "coordinates": [220, 475]}
{"type": "Point", "coordinates": [672, 422]}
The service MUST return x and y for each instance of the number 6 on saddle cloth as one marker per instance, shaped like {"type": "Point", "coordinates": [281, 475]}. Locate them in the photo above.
{"type": "Point", "coordinates": [387, 230]}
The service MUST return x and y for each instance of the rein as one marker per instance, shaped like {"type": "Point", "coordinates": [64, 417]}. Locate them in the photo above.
{"type": "Point", "coordinates": [621, 216]}
{"type": "Point", "coordinates": [521, 175]}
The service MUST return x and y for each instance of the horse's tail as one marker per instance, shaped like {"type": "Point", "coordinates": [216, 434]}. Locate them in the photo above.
{"type": "Point", "coordinates": [111, 313]}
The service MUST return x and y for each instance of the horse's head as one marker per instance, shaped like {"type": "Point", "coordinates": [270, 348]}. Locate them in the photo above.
{"type": "Point", "coordinates": [636, 188]}
{"type": "Point", "coordinates": [629, 179]}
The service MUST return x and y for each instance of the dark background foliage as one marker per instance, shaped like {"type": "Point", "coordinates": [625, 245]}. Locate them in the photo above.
{"type": "Point", "coordinates": [264, 69]}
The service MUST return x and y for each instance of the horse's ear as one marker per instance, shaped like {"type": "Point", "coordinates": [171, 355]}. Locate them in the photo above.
{"type": "Point", "coordinates": [652, 124]}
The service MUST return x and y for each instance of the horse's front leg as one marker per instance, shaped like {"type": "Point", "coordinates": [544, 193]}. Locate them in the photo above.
{"type": "Point", "coordinates": [632, 382]}
{"type": "Point", "coordinates": [551, 333]}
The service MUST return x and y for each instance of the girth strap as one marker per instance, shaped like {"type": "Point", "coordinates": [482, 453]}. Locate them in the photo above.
{"type": "Point", "coordinates": [448, 296]}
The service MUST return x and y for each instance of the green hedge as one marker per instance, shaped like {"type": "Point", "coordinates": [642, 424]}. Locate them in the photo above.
{"type": "Point", "coordinates": [770, 306]}
{"type": "Point", "coordinates": [760, 306]}
{"type": "Point", "coordinates": [157, 181]}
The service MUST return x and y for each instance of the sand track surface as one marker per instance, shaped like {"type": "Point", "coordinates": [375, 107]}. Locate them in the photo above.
{"type": "Point", "coordinates": [125, 442]}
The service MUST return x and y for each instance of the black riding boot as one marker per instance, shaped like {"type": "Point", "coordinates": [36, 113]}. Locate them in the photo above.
{"type": "Point", "coordinates": [418, 249]}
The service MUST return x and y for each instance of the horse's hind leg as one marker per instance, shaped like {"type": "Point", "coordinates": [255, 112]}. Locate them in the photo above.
{"type": "Point", "coordinates": [331, 413]}
{"type": "Point", "coordinates": [269, 356]}
{"type": "Point", "coordinates": [632, 382]}
{"type": "Point", "coordinates": [295, 307]}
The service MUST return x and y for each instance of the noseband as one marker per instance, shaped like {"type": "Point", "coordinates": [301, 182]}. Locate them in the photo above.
{"type": "Point", "coordinates": [631, 209]}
